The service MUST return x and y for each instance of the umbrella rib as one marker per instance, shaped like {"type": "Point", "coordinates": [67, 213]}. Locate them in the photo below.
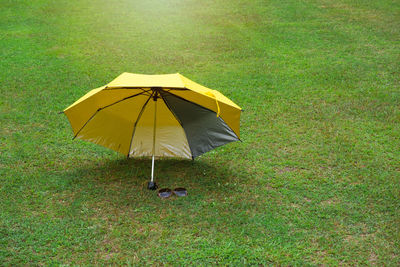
{"type": "Point", "coordinates": [124, 87]}
{"type": "Point", "coordinates": [141, 87]}
{"type": "Point", "coordinates": [128, 97]}
{"type": "Point", "coordinates": [170, 109]}
{"type": "Point", "coordinates": [85, 124]}
{"type": "Point", "coordinates": [137, 120]}
{"type": "Point", "coordinates": [177, 119]}
{"type": "Point", "coordinates": [175, 89]}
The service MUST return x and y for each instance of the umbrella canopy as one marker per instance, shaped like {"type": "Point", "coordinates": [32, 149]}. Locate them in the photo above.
{"type": "Point", "coordinates": [155, 115]}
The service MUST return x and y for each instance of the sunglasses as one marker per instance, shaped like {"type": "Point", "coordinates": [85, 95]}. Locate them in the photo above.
{"type": "Point", "coordinates": [166, 192]}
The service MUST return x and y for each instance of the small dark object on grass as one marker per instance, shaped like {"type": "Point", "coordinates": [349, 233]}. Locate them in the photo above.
{"type": "Point", "coordinates": [166, 192]}
{"type": "Point", "coordinates": [152, 185]}
{"type": "Point", "coordinates": [180, 192]}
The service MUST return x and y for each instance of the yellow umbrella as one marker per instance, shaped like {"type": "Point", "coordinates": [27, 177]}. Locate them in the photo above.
{"type": "Point", "coordinates": [155, 116]}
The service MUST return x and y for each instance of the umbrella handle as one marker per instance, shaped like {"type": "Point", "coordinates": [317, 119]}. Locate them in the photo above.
{"type": "Point", "coordinates": [151, 185]}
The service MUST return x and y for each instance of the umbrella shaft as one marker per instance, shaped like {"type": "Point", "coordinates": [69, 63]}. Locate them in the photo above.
{"type": "Point", "coordinates": [154, 137]}
{"type": "Point", "coordinates": [154, 127]}
{"type": "Point", "coordinates": [152, 168]}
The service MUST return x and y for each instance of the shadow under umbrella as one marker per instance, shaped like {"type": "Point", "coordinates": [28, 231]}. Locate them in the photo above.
{"type": "Point", "coordinates": [116, 178]}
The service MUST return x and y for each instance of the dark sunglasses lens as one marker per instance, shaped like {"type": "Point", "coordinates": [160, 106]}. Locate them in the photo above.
{"type": "Point", "coordinates": [164, 193]}
{"type": "Point", "coordinates": [180, 192]}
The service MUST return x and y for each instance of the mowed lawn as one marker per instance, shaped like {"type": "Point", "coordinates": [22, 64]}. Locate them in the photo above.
{"type": "Point", "coordinates": [315, 181]}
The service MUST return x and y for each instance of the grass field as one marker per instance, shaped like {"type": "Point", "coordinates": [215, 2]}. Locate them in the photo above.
{"type": "Point", "coordinates": [315, 181]}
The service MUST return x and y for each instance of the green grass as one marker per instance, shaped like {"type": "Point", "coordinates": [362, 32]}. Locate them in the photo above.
{"type": "Point", "coordinates": [315, 181]}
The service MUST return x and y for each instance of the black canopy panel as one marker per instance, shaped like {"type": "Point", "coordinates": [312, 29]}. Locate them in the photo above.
{"type": "Point", "coordinates": [204, 130]}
